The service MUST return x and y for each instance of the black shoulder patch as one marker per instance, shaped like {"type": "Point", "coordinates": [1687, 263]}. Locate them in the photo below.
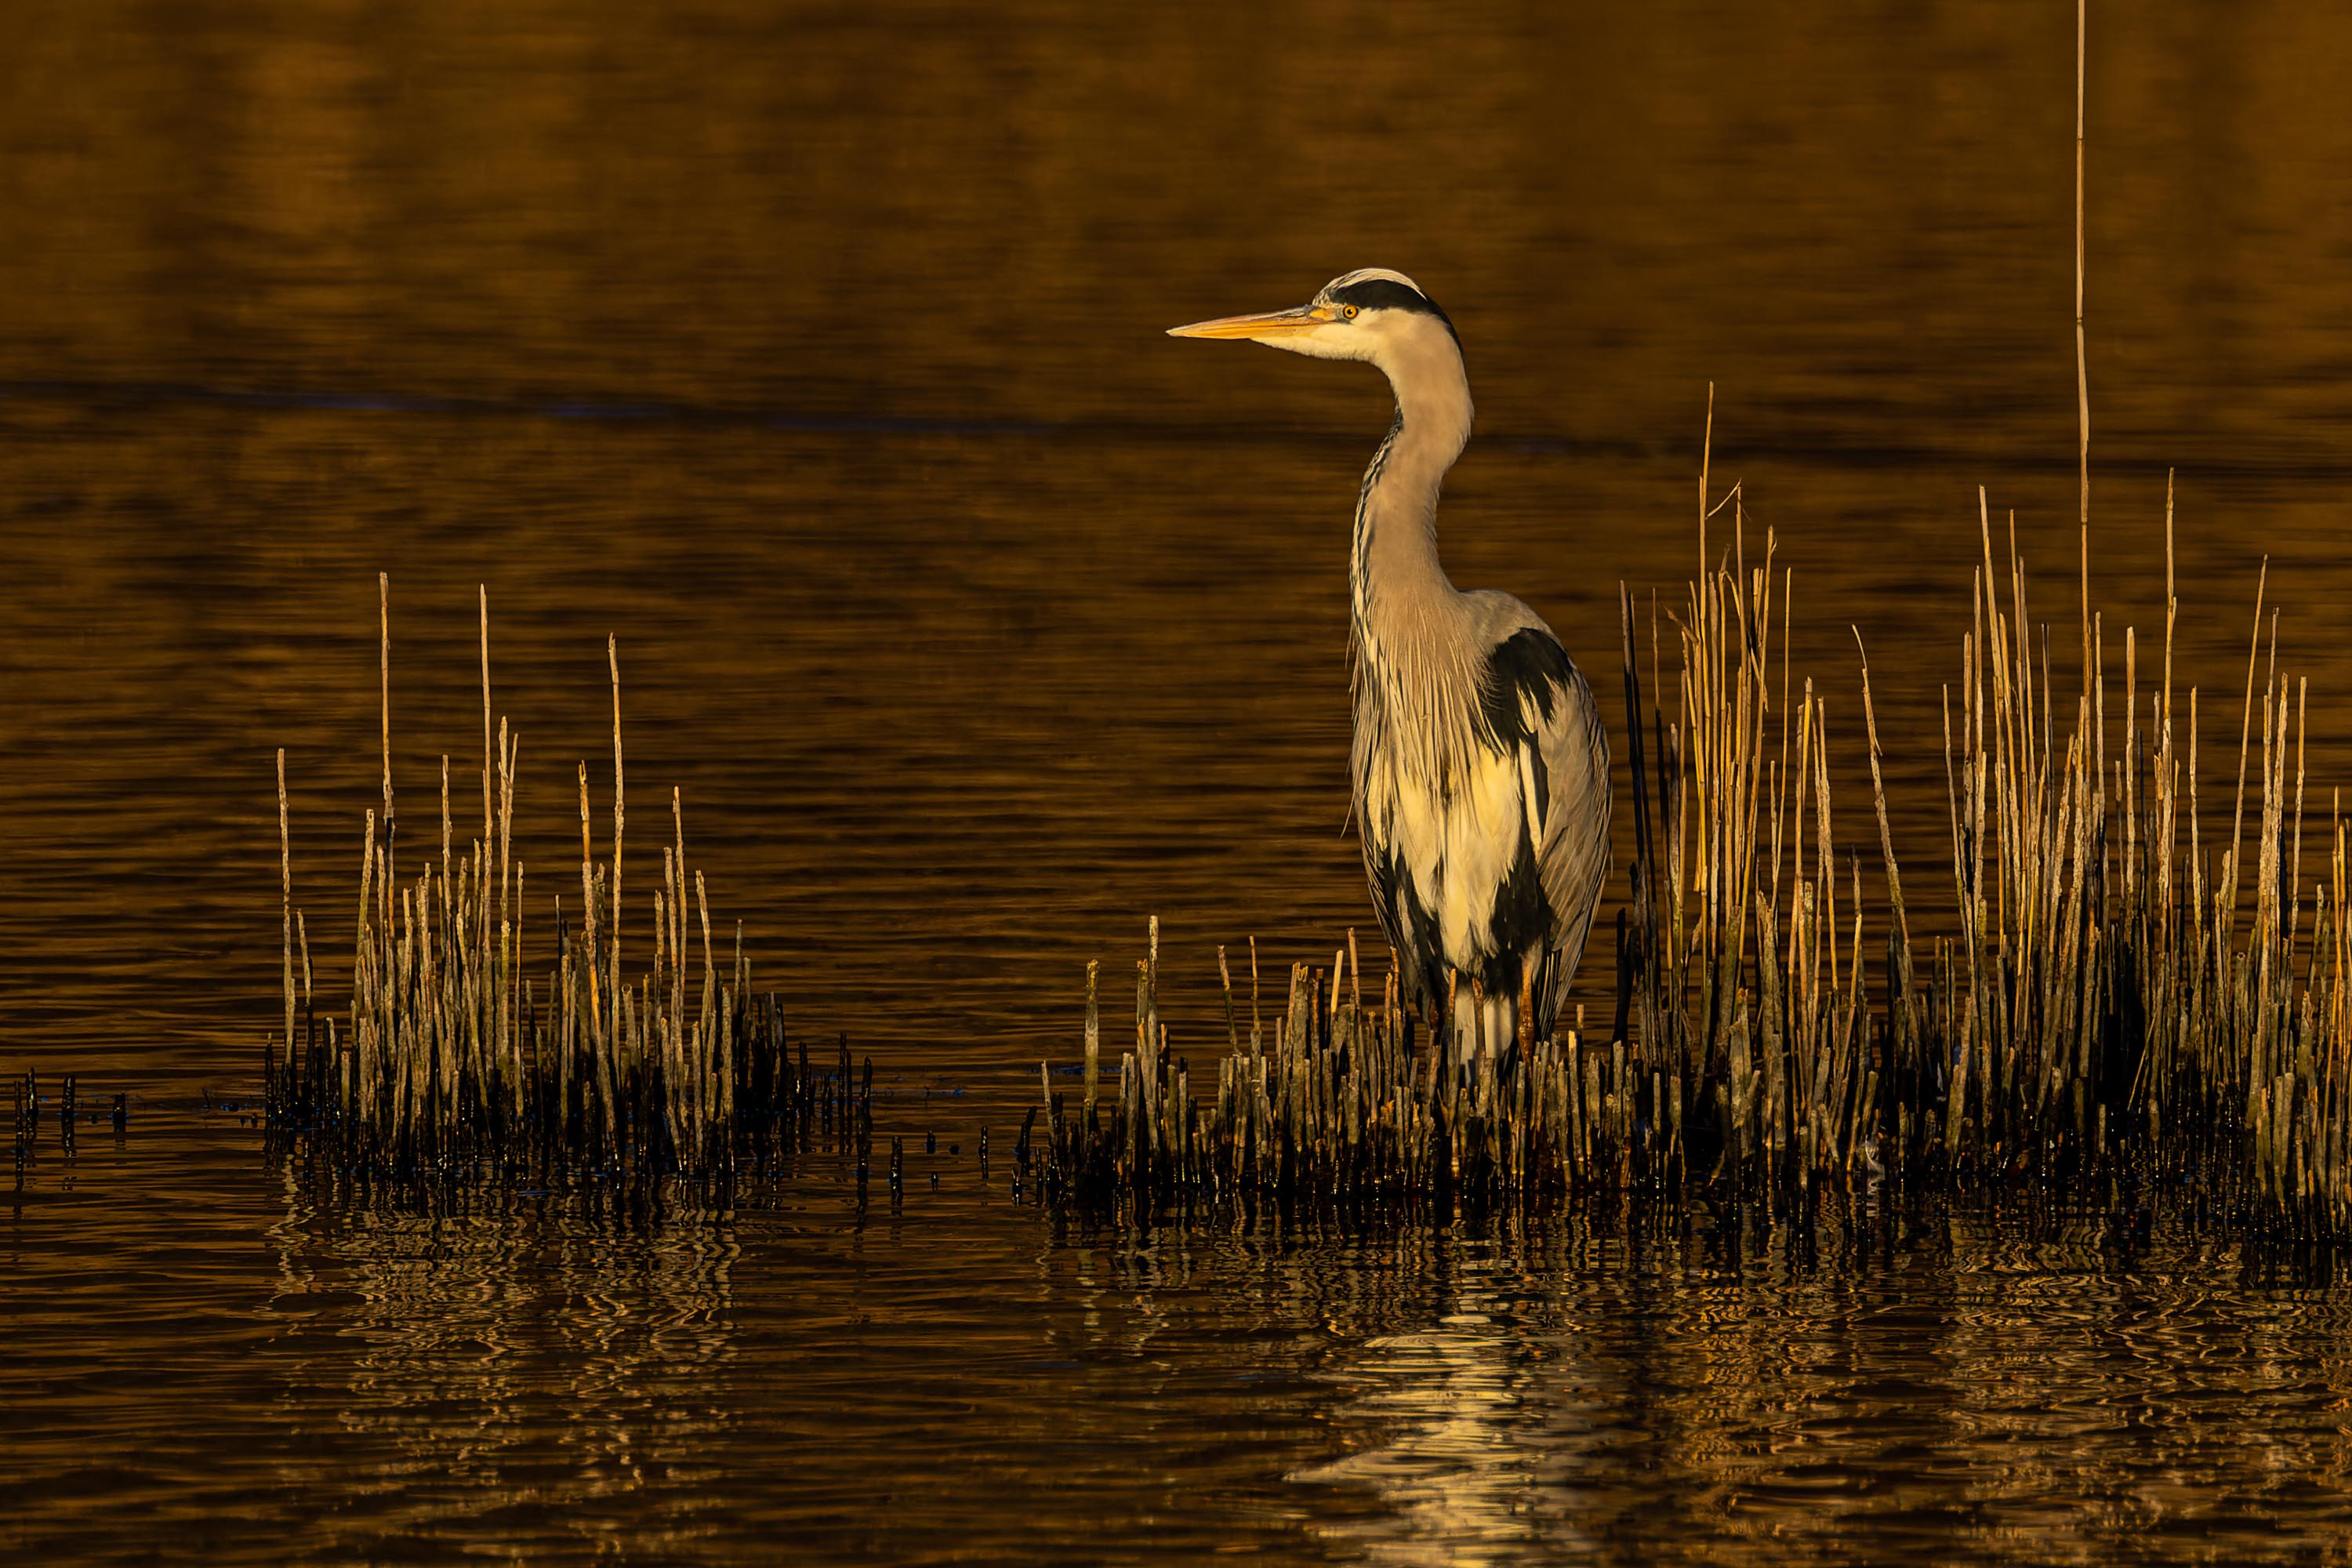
{"type": "Point", "coordinates": [1388, 294]}
{"type": "Point", "coordinates": [1530, 663]}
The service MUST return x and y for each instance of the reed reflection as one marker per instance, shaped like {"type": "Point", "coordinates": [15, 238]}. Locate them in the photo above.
{"type": "Point", "coordinates": [1969, 1383]}
{"type": "Point", "coordinates": [540, 1353]}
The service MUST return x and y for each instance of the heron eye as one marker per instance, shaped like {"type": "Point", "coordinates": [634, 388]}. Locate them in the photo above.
{"type": "Point", "coordinates": [1350, 311]}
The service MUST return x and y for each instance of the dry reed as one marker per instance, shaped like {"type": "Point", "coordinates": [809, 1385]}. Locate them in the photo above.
{"type": "Point", "coordinates": [459, 1053]}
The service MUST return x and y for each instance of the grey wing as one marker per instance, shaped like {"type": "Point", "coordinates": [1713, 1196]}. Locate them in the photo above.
{"type": "Point", "coordinates": [1575, 845]}
{"type": "Point", "coordinates": [1539, 705]}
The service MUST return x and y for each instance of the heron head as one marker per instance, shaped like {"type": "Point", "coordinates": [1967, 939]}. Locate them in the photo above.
{"type": "Point", "coordinates": [1371, 314]}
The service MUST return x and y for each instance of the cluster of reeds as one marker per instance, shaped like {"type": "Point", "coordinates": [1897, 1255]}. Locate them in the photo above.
{"type": "Point", "coordinates": [460, 1050]}
{"type": "Point", "coordinates": [1749, 995]}
{"type": "Point", "coordinates": [1346, 1106]}
{"type": "Point", "coordinates": [1753, 936]}
{"type": "Point", "coordinates": [2120, 978]}
{"type": "Point", "coordinates": [2120, 993]}
{"type": "Point", "coordinates": [2109, 996]}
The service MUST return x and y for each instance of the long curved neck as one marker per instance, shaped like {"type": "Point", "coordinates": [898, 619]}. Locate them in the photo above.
{"type": "Point", "coordinates": [1404, 599]}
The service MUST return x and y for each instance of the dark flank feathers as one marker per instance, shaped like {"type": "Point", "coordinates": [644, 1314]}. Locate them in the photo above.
{"type": "Point", "coordinates": [1527, 675]}
{"type": "Point", "coordinates": [1522, 920]}
{"type": "Point", "coordinates": [1406, 922]}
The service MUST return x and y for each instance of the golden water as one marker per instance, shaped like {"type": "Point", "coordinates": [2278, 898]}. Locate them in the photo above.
{"type": "Point", "coordinates": [817, 355]}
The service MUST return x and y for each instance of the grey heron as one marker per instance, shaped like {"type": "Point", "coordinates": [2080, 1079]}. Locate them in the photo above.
{"type": "Point", "coordinates": [1481, 767]}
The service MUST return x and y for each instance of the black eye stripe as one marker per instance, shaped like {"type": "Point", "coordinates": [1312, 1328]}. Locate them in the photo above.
{"type": "Point", "coordinates": [1387, 294]}
{"type": "Point", "coordinates": [1382, 294]}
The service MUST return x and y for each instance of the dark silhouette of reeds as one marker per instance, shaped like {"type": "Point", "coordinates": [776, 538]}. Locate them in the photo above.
{"type": "Point", "coordinates": [461, 1052]}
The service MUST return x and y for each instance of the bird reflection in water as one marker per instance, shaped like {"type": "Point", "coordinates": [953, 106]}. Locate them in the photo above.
{"type": "Point", "coordinates": [1483, 1441]}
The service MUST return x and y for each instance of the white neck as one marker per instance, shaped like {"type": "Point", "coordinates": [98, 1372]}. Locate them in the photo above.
{"type": "Point", "coordinates": [1400, 585]}
{"type": "Point", "coordinates": [1416, 667]}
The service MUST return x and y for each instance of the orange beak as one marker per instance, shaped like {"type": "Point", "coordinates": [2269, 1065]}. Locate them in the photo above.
{"type": "Point", "coordinates": [1259, 328]}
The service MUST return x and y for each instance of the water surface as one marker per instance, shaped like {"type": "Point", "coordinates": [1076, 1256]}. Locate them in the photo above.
{"type": "Point", "coordinates": [816, 352]}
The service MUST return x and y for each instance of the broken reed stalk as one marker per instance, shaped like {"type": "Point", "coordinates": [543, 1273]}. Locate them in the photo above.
{"type": "Point", "coordinates": [454, 1058]}
{"type": "Point", "coordinates": [2095, 1019]}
